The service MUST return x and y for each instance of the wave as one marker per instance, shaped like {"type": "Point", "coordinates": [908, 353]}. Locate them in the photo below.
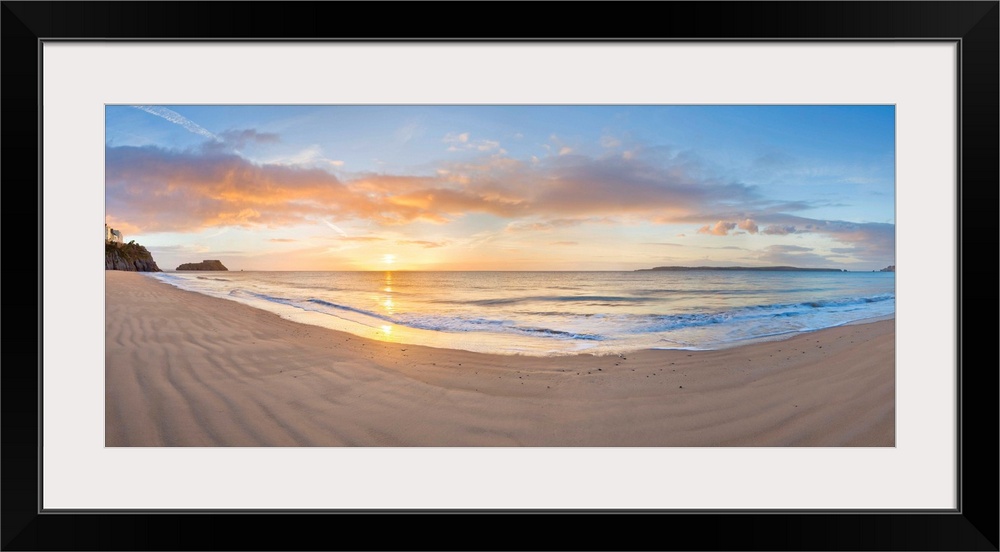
{"type": "Point", "coordinates": [423, 322]}
{"type": "Point", "coordinates": [591, 299]}
{"type": "Point", "coordinates": [661, 323]}
{"type": "Point", "coordinates": [639, 296]}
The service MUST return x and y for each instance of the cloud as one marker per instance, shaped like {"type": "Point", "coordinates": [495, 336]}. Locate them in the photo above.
{"type": "Point", "coordinates": [442, 204]}
{"type": "Point", "coordinates": [528, 226]}
{"type": "Point", "coordinates": [870, 241]}
{"type": "Point", "coordinates": [564, 243]}
{"type": "Point", "coordinates": [422, 243]}
{"type": "Point", "coordinates": [775, 230]}
{"type": "Point", "coordinates": [170, 190]}
{"type": "Point", "coordinates": [576, 185]}
{"type": "Point", "coordinates": [238, 139]}
{"type": "Point", "coordinates": [787, 248]}
{"type": "Point", "coordinates": [565, 150]}
{"type": "Point", "coordinates": [525, 226]}
{"type": "Point", "coordinates": [793, 255]}
{"type": "Point", "coordinates": [748, 225]}
{"type": "Point", "coordinates": [121, 225]}
{"type": "Point", "coordinates": [177, 119]}
{"type": "Point", "coordinates": [282, 240]}
{"type": "Point", "coordinates": [720, 228]}
{"type": "Point", "coordinates": [610, 142]}
{"type": "Point", "coordinates": [873, 242]}
{"type": "Point", "coordinates": [335, 228]}
{"type": "Point", "coordinates": [152, 189]}
{"type": "Point", "coordinates": [309, 155]}
{"type": "Point", "coordinates": [361, 238]}
{"type": "Point", "coordinates": [463, 142]}
{"type": "Point", "coordinates": [166, 190]}
{"type": "Point", "coordinates": [184, 190]}
{"type": "Point", "coordinates": [866, 241]}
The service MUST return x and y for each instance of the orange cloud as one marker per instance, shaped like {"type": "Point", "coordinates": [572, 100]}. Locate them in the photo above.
{"type": "Point", "coordinates": [157, 189]}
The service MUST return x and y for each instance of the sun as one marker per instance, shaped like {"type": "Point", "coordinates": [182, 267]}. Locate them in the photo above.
{"type": "Point", "coordinates": [388, 259]}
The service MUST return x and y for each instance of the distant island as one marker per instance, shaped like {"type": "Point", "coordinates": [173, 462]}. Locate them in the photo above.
{"type": "Point", "coordinates": [890, 268]}
{"type": "Point", "coordinates": [748, 268]}
{"type": "Point", "coordinates": [208, 264]}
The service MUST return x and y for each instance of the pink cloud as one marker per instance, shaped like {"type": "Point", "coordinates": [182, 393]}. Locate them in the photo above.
{"type": "Point", "coordinates": [720, 228]}
{"type": "Point", "coordinates": [748, 225]}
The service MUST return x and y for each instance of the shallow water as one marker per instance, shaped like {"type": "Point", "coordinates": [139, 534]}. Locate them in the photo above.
{"type": "Point", "coordinates": [546, 313]}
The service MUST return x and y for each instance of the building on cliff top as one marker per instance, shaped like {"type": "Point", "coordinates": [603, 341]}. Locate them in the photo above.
{"type": "Point", "coordinates": [113, 236]}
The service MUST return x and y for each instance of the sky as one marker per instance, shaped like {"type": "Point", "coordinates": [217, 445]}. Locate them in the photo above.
{"type": "Point", "coordinates": [466, 187]}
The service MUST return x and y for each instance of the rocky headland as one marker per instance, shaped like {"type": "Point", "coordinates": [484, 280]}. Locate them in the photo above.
{"type": "Point", "coordinates": [129, 256]}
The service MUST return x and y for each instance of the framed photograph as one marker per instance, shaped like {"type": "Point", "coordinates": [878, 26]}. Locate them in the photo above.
{"type": "Point", "coordinates": [787, 164]}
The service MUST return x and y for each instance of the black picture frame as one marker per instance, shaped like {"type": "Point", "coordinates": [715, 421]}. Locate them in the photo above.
{"type": "Point", "coordinates": [973, 525]}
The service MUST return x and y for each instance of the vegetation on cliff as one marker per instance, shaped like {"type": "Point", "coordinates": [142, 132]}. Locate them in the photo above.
{"type": "Point", "coordinates": [128, 256]}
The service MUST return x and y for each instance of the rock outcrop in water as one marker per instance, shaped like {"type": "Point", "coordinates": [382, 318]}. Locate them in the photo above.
{"type": "Point", "coordinates": [128, 256]}
{"type": "Point", "coordinates": [207, 264]}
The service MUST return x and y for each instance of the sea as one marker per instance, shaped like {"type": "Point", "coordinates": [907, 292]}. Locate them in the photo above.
{"type": "Point", "coordinates": [556, 313]}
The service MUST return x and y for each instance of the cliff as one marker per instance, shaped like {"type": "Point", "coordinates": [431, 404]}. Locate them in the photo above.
{"type": "Point", "coordinates": [128, 256]}
{"type": "Point", "coordinates": [204, 265]}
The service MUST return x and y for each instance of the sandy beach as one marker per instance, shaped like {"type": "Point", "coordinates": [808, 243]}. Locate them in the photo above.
{"type": "Point", "coordinates": [184, 369]}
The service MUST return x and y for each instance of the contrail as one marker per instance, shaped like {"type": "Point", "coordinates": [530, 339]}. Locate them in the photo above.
{"type": "Point", "coordinates": [177, 119]}
{"type": "Point", "coordinates": [335, 227]}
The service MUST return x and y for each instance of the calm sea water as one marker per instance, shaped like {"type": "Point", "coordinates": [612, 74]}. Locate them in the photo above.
{"type": "Point", "coordinates": [548, 313]}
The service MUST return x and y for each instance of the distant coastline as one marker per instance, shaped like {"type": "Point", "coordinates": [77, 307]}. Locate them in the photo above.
{"type": "Point", "coordinates": [746, 268]}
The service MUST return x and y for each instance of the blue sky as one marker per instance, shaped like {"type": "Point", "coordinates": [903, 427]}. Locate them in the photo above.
{"type": "Point", "coordinates": [504, 187]}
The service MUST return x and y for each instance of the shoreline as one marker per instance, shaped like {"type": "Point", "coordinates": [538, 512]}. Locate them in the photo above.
{"type": "Point", "coordinates": [186, 369]}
